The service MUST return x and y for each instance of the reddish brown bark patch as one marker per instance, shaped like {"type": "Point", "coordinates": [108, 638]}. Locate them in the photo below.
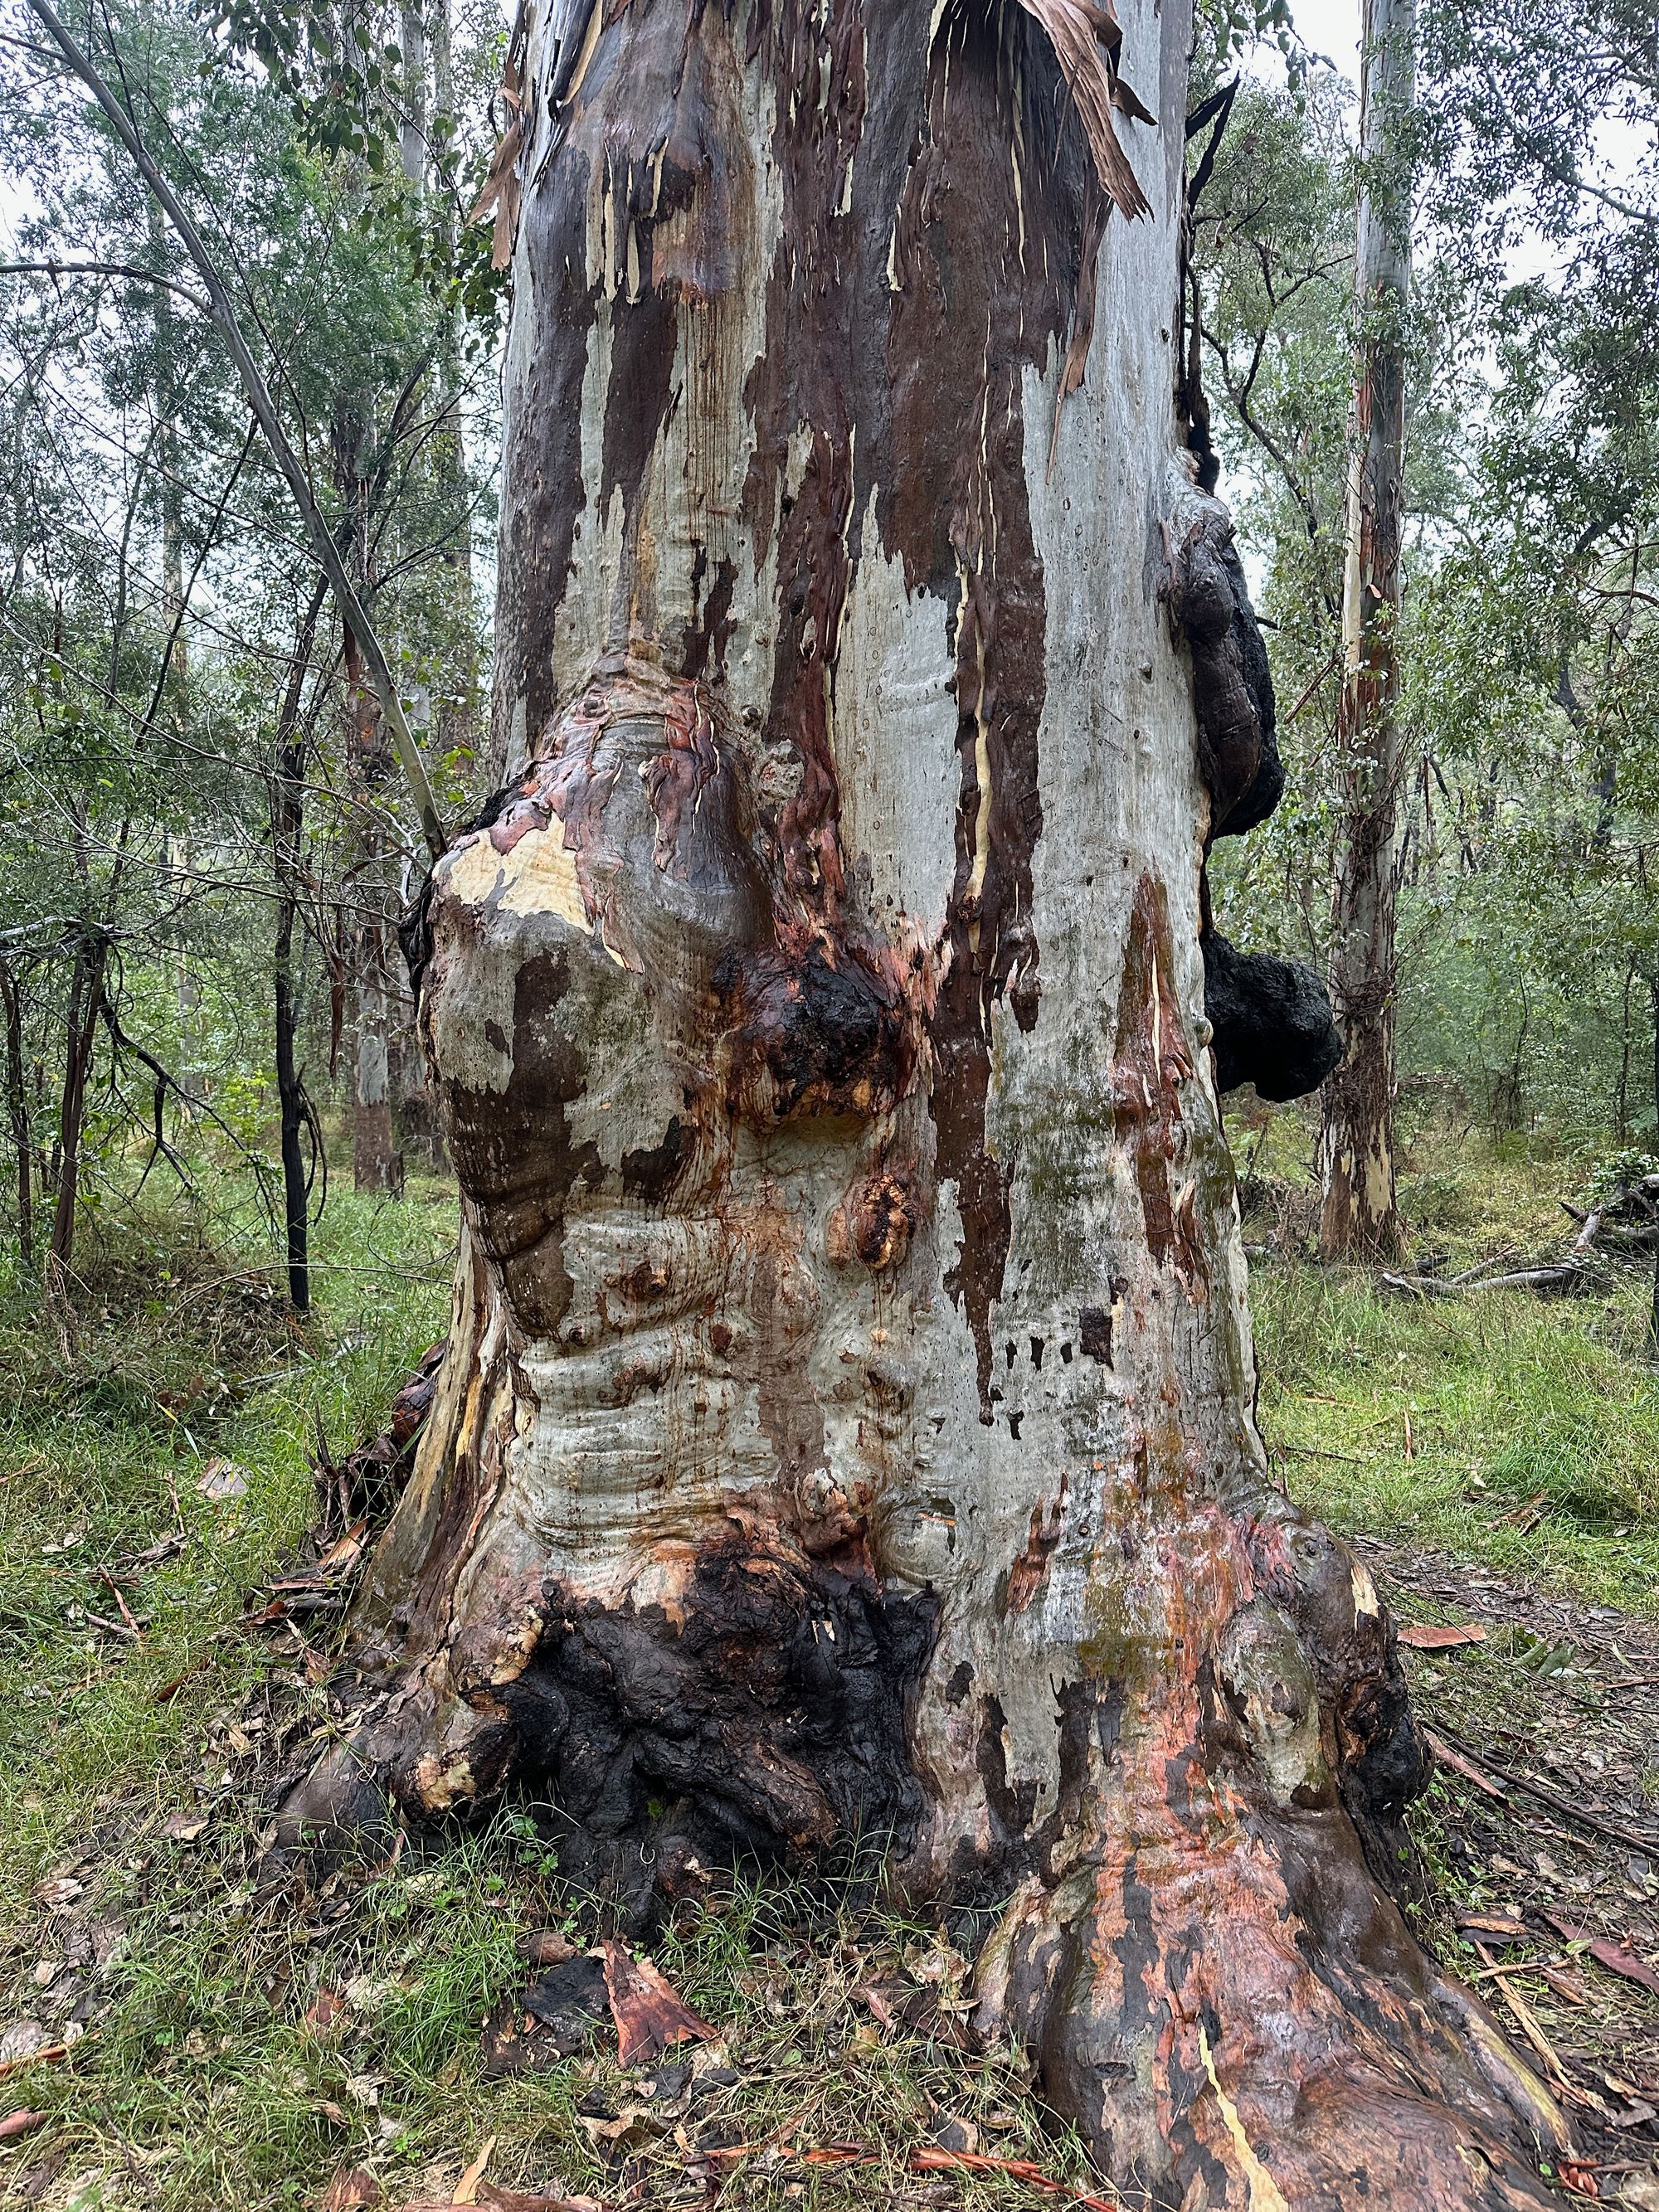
{"type": "Point", "coordinates": [1027, 1575]}
{"type": "Point", "coordinates": [880, 1220]}
{"type": "Point", "coordinates": [1151, 1059]}
{"type": "Point", "coordinates": [989, 271]}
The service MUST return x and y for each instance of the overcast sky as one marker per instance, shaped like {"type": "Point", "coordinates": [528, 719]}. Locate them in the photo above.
{"type": "Point", "coordinates": [1331, 28]}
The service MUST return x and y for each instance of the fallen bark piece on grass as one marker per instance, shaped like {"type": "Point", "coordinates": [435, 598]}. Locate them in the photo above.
{"type": "Point", "coordinates": [1426, 1635]}
{"type": "Point", "coordinates": [1613, 1956]}
{"type": "Point", "coordinates": [565, 2002]}
{"type": "Point", "coordinates": [19, 2123]}
{"type": "Point", "coordinates": [222, 1480]}
{"type": "Point", "coordinates": [649, 2014]}
{"type": "Point", "coordinates": [1493, 1924]}
{"type": "Point", "coordinates": [465, 2191]}
{"type": "Point", "coordinates": [547, 1947]}
{"type": "Point", "coordinates": [323, 2010]}
{"type": "Point", "coordinates": [352, 2188]}
{"type": "Point", "coordinates": [1578, 2174]}
{"type": "Point", "coordinates": [47, 2053]}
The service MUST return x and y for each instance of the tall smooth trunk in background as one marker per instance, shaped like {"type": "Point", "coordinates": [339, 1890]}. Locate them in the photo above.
{"type": "Point", "coordinates": [376, 1163]}
{"type": "Point", "coordinates": [1357, 1216]}
{"type": "Point", "coordinates": [846, 1430]}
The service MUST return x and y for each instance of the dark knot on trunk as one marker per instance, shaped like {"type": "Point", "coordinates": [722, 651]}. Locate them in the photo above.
{"type": "Point", "coordinates": [811, 1037]}
{"type": "Point", "coordinates": [1232, 687]}
{"type": "Point", "coordinates": [1271, 1019]}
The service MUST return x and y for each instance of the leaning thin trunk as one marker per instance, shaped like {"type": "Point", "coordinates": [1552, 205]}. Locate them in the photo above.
{"type": "Point", "coordinates": [846, 1430]}
{"type": "Point", "coordinates": [1357, 1216]}
{"type": "Point", "coordinates": [81, 1029]}
{"type": "Point", "coordinates": [288, 829]}
{"type": "Point", "coordinates": [17, 1110]}
{"type": "Point", "coordinates": [291, 1099]}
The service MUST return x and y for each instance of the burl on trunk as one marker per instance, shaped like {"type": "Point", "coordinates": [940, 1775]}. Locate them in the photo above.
{"type": "Point", "coordinates": [846, 1425]}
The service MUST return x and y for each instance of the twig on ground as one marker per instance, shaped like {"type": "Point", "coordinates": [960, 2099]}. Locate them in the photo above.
{"type": "Point", "coordinates": [1017, 2169]}
{"type": "Point", "coordinates": [114, 1588]}
{"type": "Point", "coordinates": [1526, 2020]}
{"type": "Point", "coordinates": [1614, 1829]}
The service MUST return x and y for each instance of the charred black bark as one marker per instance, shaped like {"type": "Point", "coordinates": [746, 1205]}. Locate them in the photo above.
{"type": "Point", "coordinates": [827, 1039]}
{"type": "Point", "coordinates": [1232, 687]}
{"type": "Point", "coordinates": [1380, 1758]}
{"type": "Point", "coordinates": [762, 1718]}
{"type": "Point", "coordinates": [767, 1723]}
{"type": "Point", "coordinates": [1270, 1018]}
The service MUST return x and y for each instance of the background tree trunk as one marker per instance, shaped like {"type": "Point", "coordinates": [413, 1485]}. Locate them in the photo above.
{"type": "Point", "coordinates": [297, 1117]}
{"type": "Point", "coordinates": [377, 1165]}
{"type": "Point", "coordinates": [846, 1430]}
{"type": "Point", "coordinates": [1358, 1218]}
{"type": "Point", "coordinates": [79, 1035]}
{"type": "Point", "coordinates": [18, 1110]}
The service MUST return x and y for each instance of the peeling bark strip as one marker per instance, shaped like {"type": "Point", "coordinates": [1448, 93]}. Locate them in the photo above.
{"type": "Point", "coordinates": [845, 1427]}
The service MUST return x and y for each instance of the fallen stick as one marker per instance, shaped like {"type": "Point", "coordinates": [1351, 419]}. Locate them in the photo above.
{"type": "Point", "coordinates": [1615, 1830]}
{"type": "Point", "coordinates": [108, 1579]}
{"type": "Point", "coordinates": [1572, 1273]}
{"type": "Point", "coordinates": [1525, 2019]}
{"type": "Point", "coordinates": [1017, 2169]}
{"type": "Point", "coordinates": [1444, 1752]}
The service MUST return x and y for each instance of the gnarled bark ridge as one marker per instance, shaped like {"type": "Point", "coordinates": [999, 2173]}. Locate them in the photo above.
{"type": "Point", "coordinates": [846, 1426]}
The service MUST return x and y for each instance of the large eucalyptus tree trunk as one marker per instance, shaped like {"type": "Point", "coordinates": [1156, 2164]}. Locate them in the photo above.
{"type": "Point", "coordinates": [1357, 1216]}
{"type": "Point", "coordinates": [846, 1431]}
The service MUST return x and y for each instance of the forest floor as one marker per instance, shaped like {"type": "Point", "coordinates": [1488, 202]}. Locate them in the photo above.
{"type": "Point", "coordinates": [180, 2038]}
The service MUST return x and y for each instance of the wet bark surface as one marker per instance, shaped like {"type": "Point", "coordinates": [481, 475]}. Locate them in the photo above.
{"type": "Point", "coordinates": [846, 1430]}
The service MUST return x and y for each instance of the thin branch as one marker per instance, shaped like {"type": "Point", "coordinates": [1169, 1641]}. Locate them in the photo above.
{"type": "Point", "coordinates": [324, 549]}
{"type": "Point", "coordinates": [106, 269]}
